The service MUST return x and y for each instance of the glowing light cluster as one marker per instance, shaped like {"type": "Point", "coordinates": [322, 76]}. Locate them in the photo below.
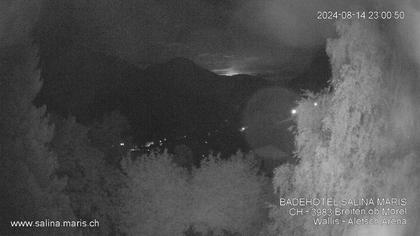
{"type": "Point", "coordinates": [227, 71]}
{"type": "Point", "coordinates": [149, 144]}
{"type": "Point", "coordinates": [242, 129]}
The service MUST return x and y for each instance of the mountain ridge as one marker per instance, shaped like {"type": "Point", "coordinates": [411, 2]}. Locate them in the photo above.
{"type": "Point", "coordinates": [176, 93]}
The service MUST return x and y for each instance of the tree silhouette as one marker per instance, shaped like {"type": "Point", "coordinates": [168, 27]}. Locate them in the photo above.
{"type": "Point", "coordinates": [92, 184]}
{"type": "Point", "coordinates": [30, 188]}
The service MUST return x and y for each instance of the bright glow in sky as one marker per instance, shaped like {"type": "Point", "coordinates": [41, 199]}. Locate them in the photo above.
{"type": "Point", "coordinates": [227, 71]}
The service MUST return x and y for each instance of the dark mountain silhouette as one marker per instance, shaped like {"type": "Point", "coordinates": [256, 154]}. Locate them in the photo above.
{"type": "Point", "coordinates": [316, 77]}
{"type": "Point", "coordinates": [171, 99]}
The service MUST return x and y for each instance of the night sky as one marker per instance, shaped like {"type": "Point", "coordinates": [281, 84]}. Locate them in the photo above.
{"type": "Point", "coordinates": [228, 37]}
{"type": "Point", "coordinates": [225, 36]}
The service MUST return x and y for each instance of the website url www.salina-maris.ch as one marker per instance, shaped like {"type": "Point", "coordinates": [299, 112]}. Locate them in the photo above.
{"type": "Point", "coordinates": [54, 224]}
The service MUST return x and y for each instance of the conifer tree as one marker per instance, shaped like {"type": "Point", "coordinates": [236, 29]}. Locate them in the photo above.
{"type": "Point", "coordinates": [30, 189]}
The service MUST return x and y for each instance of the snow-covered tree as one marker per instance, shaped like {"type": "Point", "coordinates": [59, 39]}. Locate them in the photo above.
{"type": "Point", "coordinates": [361, 139]}
{"type": "Point", "coordinates": [30, 187]}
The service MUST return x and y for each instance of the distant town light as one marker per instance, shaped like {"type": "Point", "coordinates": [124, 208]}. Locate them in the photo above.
{"type": "Point", "coordinates": [294, 111]}
{"type": "Point", "coordinates": [148, 144]}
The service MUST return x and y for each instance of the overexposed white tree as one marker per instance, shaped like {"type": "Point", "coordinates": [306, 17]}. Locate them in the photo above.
{"type": "Point", "coordinates": [361, 140]}
{"type": "Point", "coordinates": [222, 197]}
{"type": "Point", "coordinates": [156, 198]}
{"type": "Point", "coordinates": [228, 196]}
